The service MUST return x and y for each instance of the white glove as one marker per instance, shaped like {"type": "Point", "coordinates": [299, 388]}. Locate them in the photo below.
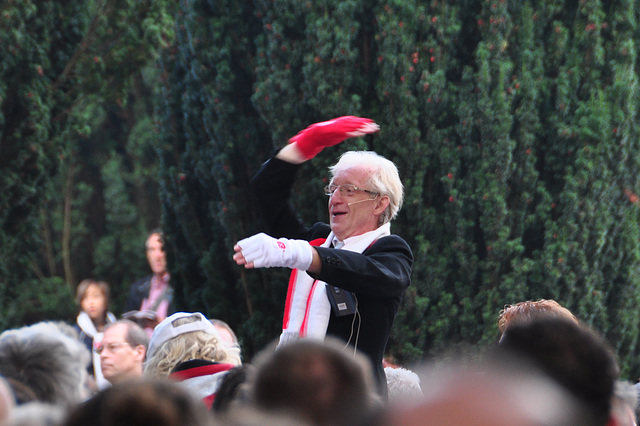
{"type": "Point", "coordinates": [267, 252]}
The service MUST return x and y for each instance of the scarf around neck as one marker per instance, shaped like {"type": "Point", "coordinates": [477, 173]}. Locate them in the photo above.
{"type": "Point", "coordinates": [88, 327]}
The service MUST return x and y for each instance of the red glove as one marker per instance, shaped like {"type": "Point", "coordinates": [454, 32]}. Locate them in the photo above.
{"type": "Point", "coordinates": [316, 137]}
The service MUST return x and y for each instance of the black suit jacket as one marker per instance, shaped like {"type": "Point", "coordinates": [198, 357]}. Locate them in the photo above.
{"type": "Point", "coordinates": [378, 277]}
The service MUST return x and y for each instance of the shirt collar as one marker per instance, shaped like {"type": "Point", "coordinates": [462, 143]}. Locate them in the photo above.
{"type": "Point", "coordinates": [161, 282]}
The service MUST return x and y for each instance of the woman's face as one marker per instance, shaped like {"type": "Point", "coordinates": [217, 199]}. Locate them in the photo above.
{"type": "Point", "coordinates": [94, 302]}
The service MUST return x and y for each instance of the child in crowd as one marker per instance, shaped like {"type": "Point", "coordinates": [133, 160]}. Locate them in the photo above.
{"type": "Point", "coordinates": [92, 296]}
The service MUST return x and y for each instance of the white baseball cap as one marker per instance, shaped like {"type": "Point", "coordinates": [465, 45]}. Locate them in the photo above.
{"type": "Point", "coordinates": [166, 330]}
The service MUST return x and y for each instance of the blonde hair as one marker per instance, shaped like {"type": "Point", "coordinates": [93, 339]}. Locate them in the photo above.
{"type": "Point", "coordinates": [188, 346]}
{"type": "Point", "coordinates": [529, 310]}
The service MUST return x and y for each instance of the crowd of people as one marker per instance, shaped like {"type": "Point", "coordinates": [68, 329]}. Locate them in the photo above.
{"type": "Point", "coordinates": [159, 366]}
{"type": "Point", "coordinates": [546, 369]}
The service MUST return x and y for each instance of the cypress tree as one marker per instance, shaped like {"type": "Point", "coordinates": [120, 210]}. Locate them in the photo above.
{"type": "Point", "coordinates": [512, 123]}
{"type": "Point", "coordinates": [58, 60]}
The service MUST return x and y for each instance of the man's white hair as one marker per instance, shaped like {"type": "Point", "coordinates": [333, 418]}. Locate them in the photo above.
{"type": "Point", "coordinates": [403, 385]}
{"type": "Point", "coordinates": [383, 178]}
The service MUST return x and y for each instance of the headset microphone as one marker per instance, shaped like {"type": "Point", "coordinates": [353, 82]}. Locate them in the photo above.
{"type": "Point", "coordinates": [361, 201]}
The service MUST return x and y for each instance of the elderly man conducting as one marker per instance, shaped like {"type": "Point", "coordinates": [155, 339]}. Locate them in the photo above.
{"type": "Point", "coordinates": [349, 275]}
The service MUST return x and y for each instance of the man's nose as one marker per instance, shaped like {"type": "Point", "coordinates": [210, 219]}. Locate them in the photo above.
{"type": "Point", "coordinates": [336, 196]}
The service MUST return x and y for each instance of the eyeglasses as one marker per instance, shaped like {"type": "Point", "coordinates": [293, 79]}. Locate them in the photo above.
{"type": "Point", "coordinates": [111, 347]}
{"type": "Point", "coordinates": [347, 190]}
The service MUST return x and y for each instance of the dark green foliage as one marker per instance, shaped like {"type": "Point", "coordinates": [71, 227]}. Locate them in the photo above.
{"type": "Point", "coordinates": [209, 132]}
{"type": "Point", "coordinates": [513, 125]}
{"type": "Point", "coordinates": [61, 62]}
{"type": "Point", "coordinates": [46, 299]}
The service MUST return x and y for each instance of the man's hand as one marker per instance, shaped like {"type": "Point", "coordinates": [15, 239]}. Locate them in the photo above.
{"type": "Point", "coordinates": [263, 251]}
{"type": "Point", "coordinates": [316, 137]}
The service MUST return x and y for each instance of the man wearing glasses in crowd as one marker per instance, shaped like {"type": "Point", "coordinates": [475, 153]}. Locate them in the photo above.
{"type": "Point", "coordinates": [122, 351]}
{"type": "Point", "coordinates": [349, 275]}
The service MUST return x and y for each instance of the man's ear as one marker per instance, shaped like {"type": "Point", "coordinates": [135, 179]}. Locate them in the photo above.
{"type": "Point", "coordinates": [381, 205]}
{"type": "Point", "coordinates": [140, 351]}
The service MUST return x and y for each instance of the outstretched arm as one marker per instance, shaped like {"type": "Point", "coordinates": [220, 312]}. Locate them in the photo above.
{"type": "Point", "coordinates": [263, 251]}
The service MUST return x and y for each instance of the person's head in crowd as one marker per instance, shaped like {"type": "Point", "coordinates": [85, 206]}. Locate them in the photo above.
{"type": "Point", "coordinates": [366, 169]}
{"type": "Point", "coordinates": [21, 391]}
{"type": "Point", "coordinates": [7, 400]}
{"type": "Point", "coordinates": [572, 354]}
{"type": "Point", "coordinates": [226, 333]}
{"type": "Point", "coordinates": [92, 297]}
{"type": "Point", "coordinates": [156, 256]}
{"type": "Point", "coordinates": [122, 351]}
{"type": "Point", "coordinates": [186, 336]}
{"type": "Point", "coordinates": [317, 381]}
{"type": "Point", "coordinates": [623, 404]}
{"type": "Point", "coordinates": [251, 416]}
{"type": "Point", "coordinates": [147, 401]}
{"type": "Point", "coordinates": [403, 384]}
{"type": "Point", "coordinates": [530, 310]}
{"type": "Point", "coordinates": [498, 391]}
{"type": "Point", "coordinates": [637, 408]}
{"type": "Point", "coordinates": [234, 389]}
{"type": "Point", "coordinates": [46, 359]}
{"type": "Point", "coordinates": [37, 413]}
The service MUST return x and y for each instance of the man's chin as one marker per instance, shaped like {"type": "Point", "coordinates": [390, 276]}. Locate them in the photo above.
{"type": "Point", "coordinates": [337, 232]}
{"type": "Point", "coordinates": [334, 227]}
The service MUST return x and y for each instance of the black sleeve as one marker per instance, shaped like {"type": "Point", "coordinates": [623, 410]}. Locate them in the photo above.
{"type": "Point", "coordinates": [131, 304]}
{"type": "Point", "coordinates": [272, 186]}
{"type": "Point", "coordinates": [381, 271]}
{"type": "Point", "coordinates": [136, 294]}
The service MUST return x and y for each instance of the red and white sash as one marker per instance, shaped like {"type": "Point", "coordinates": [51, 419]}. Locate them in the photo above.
{"type": "Point", "coordinates": [203, 381]}
{"type": "Point", "coordinates": [307, 309]}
